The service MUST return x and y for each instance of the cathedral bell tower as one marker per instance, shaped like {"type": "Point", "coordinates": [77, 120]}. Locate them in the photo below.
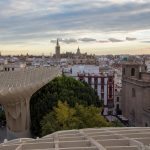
{"type": "Point", "coordinates": [57, 49]}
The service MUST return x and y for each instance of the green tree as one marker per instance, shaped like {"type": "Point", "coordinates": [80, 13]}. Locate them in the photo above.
{"type": "Point", "coordinates": [64, 114]}
{"type": "Point", "coordinates": [90, 117]}
{"type": "Point", "coordinates": [60, 89]}
{"type": "Point", "coordinates": [65, 118]}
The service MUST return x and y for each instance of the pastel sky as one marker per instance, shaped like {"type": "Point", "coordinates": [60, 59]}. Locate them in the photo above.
{"type": "Point", "coordinates": [97, 26]}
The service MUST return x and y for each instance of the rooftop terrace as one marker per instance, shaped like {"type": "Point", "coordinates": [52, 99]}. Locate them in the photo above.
{"type": "Point", "coordinates": [86, 139]}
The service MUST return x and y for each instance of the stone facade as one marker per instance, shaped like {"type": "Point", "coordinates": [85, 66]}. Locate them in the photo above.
{"type": "Point", "coordinates": [117, 102]}
{"type": "Point", "coordinates": [136, 94]}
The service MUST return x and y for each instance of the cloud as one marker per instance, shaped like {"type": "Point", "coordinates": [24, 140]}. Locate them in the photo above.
{"type": "Point", "coordinates": [115, 40]}
{"type": "Point", "coordinates": [49, 19]}
{"type": "Point", "coordinates": [67, 41]}
{"type": "Point", "coordinates": [130, 39]}
{"type": "Point", "coordinates": [145, 41]}
{"type": "Point", "coordinates": [53, 41]}
{"type": "Point", "coordinates": [103, 41]}
{"type": "Point", "coordinates": [87, 39]}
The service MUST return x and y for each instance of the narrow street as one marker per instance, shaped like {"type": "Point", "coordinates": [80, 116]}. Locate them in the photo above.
{"type": "Point", "coordinates": [2, 134]}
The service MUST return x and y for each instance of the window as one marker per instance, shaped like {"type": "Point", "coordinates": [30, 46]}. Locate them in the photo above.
{"type": "Point", "coordinates": [110, 80]}
{"type": "Point", "coordinates": [117, 107]}
{"type": "Point", "coordinates": [133, 72]}
{"type": "Point", "coordinates": [117, 99]}
{"type": "Point", "coordinates": [95, 86]}
{"type": "Point", "coordinates": [89, 80]}
{"type": "Point", "coordinates": [110, 90]}
{"type": "Point", "coordinates": [102, 96]}
{"type": "Point", "coordinates": [124, 71]}
{"type": "Point", "coordinates": [96, 80]}
{"type": "Point", "coordinates": [133, 92]}
{"type": "Point", "coordinates": [102, 81]}
{"type": "Point", "coordinates": [102, 89]}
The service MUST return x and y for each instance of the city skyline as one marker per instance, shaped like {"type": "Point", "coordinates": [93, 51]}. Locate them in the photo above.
{"type": "Point", "coordinates": [100, 27]}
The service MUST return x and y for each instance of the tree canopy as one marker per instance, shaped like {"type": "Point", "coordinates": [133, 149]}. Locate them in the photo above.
{"type": "Point", "coordinates": [60, 89]}
{"type": "Point", "coordinates": [65, 118]}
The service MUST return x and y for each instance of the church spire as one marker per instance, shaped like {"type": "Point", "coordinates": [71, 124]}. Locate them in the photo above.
{"type": "Point", "coordinates": [57, 42]}
{"type": "Point", "coordinates": [78, 51]}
